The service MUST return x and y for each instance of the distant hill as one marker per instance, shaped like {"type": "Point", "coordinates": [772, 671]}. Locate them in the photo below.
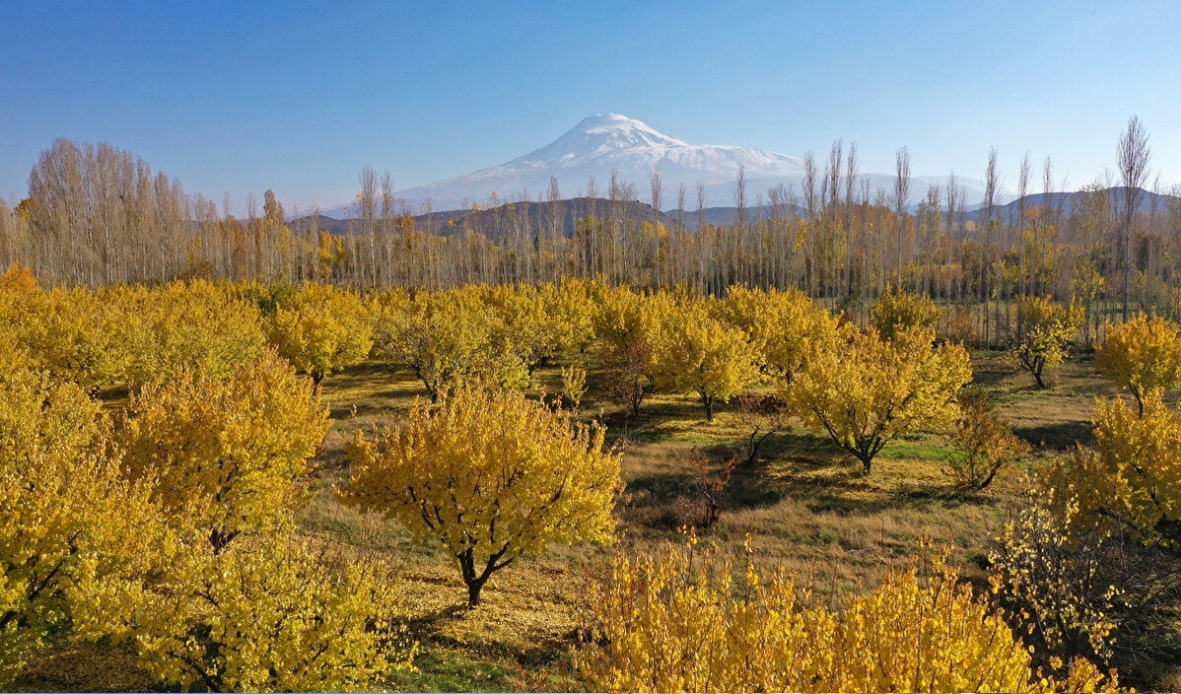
{"type": "Point", "coordinates": [495, 221]}
{"type": "Point", "coordinates": [498, 220]}
{"type": "Point", "coordinates": [1067, 203]}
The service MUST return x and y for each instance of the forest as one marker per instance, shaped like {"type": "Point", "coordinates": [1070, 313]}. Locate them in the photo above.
{"type": "Point", "coordinates": [841, 444]}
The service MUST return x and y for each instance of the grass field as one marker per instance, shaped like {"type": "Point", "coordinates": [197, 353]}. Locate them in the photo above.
{"type": "Point", "coordinates": [804, 504]}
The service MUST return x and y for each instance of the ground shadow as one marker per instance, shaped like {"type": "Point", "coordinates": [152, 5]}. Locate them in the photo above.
{"type": "Point", "coordinates": [1059, 436]}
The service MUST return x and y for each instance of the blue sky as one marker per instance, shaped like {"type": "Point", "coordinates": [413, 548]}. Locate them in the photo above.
{"type": "Point", "coordinates": [297, 97]}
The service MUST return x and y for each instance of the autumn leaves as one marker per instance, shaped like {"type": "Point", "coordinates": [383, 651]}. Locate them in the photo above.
{"type": "Point", "coordinates": [166, 522]}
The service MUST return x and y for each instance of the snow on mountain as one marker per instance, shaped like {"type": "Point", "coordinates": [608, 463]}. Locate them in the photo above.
{"type": "Point", "coordinates": [602, 144]}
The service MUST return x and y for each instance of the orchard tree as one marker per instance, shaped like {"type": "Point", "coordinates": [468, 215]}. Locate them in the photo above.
{"type": "Point", "coordinates": [628, 327]}
{"type": "Point", "coordinates": [781, 325]}
{"type": "Point", "coordinates": [685, 620]}
{"type": "Point", "coordinates": [897, 310]}
{"type": "Point", "coordinates": [321, 329]}
{"type": "Point", "coordinates": [228, 452]}
{"type": "Point", "coordinates": [1048, 327]}
{"type": "Point", "coordinates": [864, 391]}
{"type": "Point", "coordinates": [68, 518]}
{"type": "Point", "coordinates": [539, 323]}
{"type": "Point", "coordinates": [446, 335]}
{"type": "Point", "coordinates": [268, 614]}
{"type": "Point", "coordinates": [702, 354]}
{"type": "Point", "coordinates": [1142, 355]}
{"type": "Point", "coordinates": [74, 334]}
{"type": "Point", "coordinates": [1093, 556]}
{"type": "Point", "coordinates": [195, 324]}
{"type": "Point", "coordinates": [984, 442]}
{"type": "Point", "coordinates": [491, 476]}
{"type": "Point", "coordinates": [1131, 480]}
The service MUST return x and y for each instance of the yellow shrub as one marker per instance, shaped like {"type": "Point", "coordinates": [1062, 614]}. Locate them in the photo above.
{"type": "Point", "coordinates": [491, 476]}
{"type": "Point", "coordinates": [230, 451]}
{"type": "Point", "coordinates": [685, 621]}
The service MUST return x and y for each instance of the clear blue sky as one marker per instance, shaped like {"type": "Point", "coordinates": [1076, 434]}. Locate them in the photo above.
{"type": "Point", "coordinates": [240, 97]}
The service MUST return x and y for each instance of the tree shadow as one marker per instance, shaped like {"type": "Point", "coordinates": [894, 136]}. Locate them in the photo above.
{"type": "Point", "coordinates": [1059, 436]}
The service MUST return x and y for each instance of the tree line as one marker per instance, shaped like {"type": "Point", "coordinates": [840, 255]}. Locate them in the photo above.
{"type": "Point", "coordinates": [98, 215]}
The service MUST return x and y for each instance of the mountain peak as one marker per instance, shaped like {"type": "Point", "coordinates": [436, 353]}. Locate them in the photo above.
{"type": "Point", "coordinates": [601, 134]}
{"type": "Point", "coordinates": [615, 147]}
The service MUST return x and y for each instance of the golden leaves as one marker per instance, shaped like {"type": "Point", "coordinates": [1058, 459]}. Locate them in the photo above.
{"type": "Point", "coordinates": [230, 450]}
{"type": "Point", "coordinates": [680, 621]}
{"type": "Point", "coordinates": [321, 329]}
{"type": "Point", "coordinates": [864, 391]}
{"type": "Point", "coordinates": [1142, 355]}
{"type": "Point", "coordinates": [491, 476]}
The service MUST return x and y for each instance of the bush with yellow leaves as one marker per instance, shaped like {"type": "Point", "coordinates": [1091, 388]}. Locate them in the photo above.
{"type": "Point", "coordinates": [321, 329]}
{"type": "Point", "coordinates": [444, 336]}
{"type": "Point", "coordinates": [74, 335]}
{"type": "Point", "coordinates": [194, 324]}
{"type": "Point", "coordinates": [230, 450]}
{"type": "Point", "coordinates": [781, 325]}
{"type": "Point", "coordinates": [865, 391]}
{"type": "Point", "coordinates": [628, 326]}
{"type": "Point", "coordinates": [68, 520]}
{"type": "Point", "coordinates": [699, 353]}
{"type": "Point", "coordinates": [491, 476]}
{"type": "Point", "coordinates": [1142, 355]}
{"type": "Point", "coordinates": [1047, 328]}
{"type": "Point", "coordinates": [268, 614]}
{"type": "Point", "coordinates": [1093, 556]}
{"type": "Point", "coordinates": [984, 443]}
{"type": "Point", "coordinates": [684, 621]}
{"type": "Point", "coordinates": [897, 310]}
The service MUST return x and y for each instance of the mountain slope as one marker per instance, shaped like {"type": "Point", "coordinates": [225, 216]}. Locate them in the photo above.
{"type": "Point", "coordinates": [600, 145]}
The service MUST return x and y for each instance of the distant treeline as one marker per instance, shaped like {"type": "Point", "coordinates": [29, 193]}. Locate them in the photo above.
{"type": "Point", "coordinates": [97, 215]}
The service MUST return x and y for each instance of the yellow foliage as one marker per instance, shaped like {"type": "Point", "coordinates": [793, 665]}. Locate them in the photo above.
{"type": "Point", "coordinates": [1055, 569]}
{"type": "Point", "coordinates": [701, 354]}
{"type": "Point", "coordinates": [573, 383]}
{"type": "Point", "coordinates": [984, 442]}
{"type": "Point", "coordinates": [74, 334]}
{"type": "Point", "coordinates": [782, 326]}
{"type": "Point", "coordinates": [192, 324]}
{"type": "Point", "coordinates": [445, 335]}
{"type": "Point", "coordinates": [1133, 478]}
{"type": "Point", "coordinates": [268, 615]}
{"type": "Point", "coordinates": [230, 451]}
{"type": "Point", "coordinates": [628, 329]}
{"type": "Point", "coordinates": [685, 621]}
{"type": "Point", "coordinates": [321, 329]}
{"type": "Point", "coordinates": [864, 391]}
{"type": "Point", "coordinates": [67, 517]}
{"type": "Point", "coordinates": [491, 476]}
{"type": "Point", "coordinates": [537, 324]}
{"type": "Point", "coordinates": [897, 310]}
{"type": "Point", "coordinates": [1048, 327]}
{"type": "Point", "coordinates": [1142, 355]}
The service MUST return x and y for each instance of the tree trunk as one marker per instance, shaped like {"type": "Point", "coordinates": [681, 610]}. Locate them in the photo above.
{"type": "Point", "coordinates": [473, 592]}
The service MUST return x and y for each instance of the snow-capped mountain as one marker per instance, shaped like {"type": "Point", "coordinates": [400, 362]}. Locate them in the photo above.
{"type": "Point", "coordinates": [602, 144]}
